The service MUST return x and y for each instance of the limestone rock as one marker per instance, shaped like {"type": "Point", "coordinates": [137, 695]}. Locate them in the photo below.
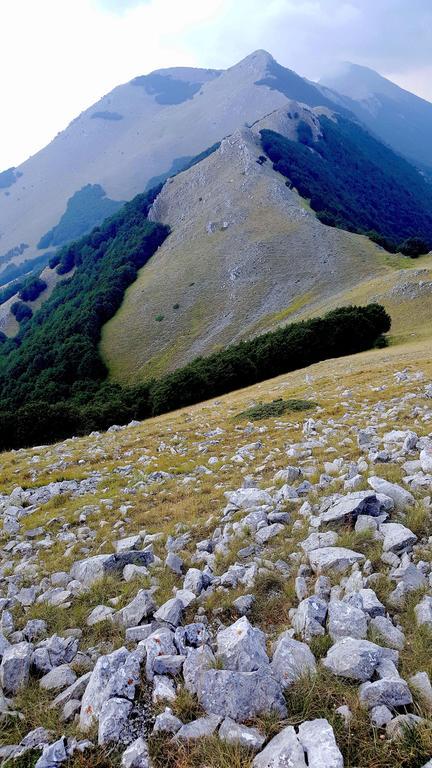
{"type": "Point", "coordinates": [353, 659]}
{"type": "Point", "coordinates": [242, 647]}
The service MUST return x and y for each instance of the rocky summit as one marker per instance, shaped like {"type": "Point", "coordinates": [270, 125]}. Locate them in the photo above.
{"type": "Point", "coordinates": [204, 590]}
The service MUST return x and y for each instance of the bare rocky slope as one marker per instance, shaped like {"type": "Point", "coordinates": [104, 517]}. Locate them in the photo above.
{"type": "Point", "coordinates": [209, 589]}
{"type": "Point", "coordinates": [244, 254]}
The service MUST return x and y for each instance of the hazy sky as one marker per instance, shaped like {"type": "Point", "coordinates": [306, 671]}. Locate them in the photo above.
{"type": "Point", "coordinates": [57, 57]}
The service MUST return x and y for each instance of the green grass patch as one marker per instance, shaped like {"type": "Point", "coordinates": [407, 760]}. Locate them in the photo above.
{"type": "Point", "coordinates": [276, 408]}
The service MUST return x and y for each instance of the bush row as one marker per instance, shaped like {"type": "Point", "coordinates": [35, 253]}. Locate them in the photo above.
{"type": "Point", "coordinates": [93, 404]}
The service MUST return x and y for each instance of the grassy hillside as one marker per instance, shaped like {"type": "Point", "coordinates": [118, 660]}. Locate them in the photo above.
{"type": "Point", "coordinates": [244, 247]}
{"type": "Point", "coordinates": [196, 448]}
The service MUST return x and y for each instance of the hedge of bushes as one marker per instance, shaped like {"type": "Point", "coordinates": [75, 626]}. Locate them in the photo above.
{"type": "Point", "coordinates": [96, 404]}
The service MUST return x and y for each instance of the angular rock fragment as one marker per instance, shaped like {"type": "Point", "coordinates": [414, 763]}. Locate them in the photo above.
{"type": "Point", "coordinates": [338, 559]}
{"type": "Point", "coordinates": [242, 647]}
{"type": "Point", "coordinates": [240, 695]}
{"type": "Point", "coordinates": [353, 659]}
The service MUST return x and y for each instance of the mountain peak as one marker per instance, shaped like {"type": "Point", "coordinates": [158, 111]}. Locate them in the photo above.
{"type": "Point", "coordinates": [257, 62]}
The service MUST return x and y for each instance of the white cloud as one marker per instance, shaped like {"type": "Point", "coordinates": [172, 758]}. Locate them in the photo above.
{"type": "Point", "coordinates": [59, 56]}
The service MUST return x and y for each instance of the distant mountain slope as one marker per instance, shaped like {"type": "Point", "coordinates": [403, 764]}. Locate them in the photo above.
{"type": "Point", "coordinates": [398, 117]}
{"type": "Point", "coordinates": [355, 182]}
{"type": "Point", "coordinates": [141, 131]}
{"type": "Point", "coordinates": [244, 254]}
{"type": "Point", "coordinates": [134, 133]}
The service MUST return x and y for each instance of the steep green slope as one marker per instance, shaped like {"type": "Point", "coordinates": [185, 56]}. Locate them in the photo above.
{"type": "Point", "coordinates": [354, 181]}
{"type": "Point", "coordinates": [55, 354]}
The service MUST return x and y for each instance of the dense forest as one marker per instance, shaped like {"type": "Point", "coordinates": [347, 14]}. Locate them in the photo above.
{"type": "Point", "coordinates": [355, 182]}
{"type": "Point", "coordinates": [56, 351]}
{"type": "Point", "coordinates": [60, 389]}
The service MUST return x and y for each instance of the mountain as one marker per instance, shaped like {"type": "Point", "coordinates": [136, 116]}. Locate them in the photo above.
{"type": "Point", "coordinates": [401, 119]}
{"type": "Point", "coordinates": [244, 253]}
{"type": "Point", "coordinates": [273, 222]}
{"type": "Point", "coordinates": [141, 130]}
{"type": "Point", "coordinates": [149, 128]}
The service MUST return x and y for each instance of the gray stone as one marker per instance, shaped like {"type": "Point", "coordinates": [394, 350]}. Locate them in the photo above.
{"type": "Point", "coordinates": [242, 647]}
{"type": "Point", "coordinates": [58, 678]}
{"type": "Point", "coordinates": [53, 755]}
{"type": "Point", "coordinates": [115, 675]}
{"type": "Point", "coordinates": [423, 612]}
{"type": "Point", "coordinates": [233, 733]}
{"type": "Point", "coordinates": [240, 695]}
{"type": "Point", "coordinates": [70, 709]}
{"type": "Point", "coordinates": [398, 726]}
{"type": "Point", "coordinates": [125, 545]}
{"type": "Point", "coordinates": [353, 659]}
{"type": "Point", "coordinates": [4, 643]}
{"type": "Point", "coordinates": [401, 498]}
{"type": "Point", "coordinates": [136, 755]}
{"type": "Point", "coordinates": [74, 691]}
{"type": "Point", "coordinates": [370, 603]}
{"type": "Point", "coordinates": [387, 669]}
{"type": "Point", "coordinates": [426, 459]}
{"type": "Point", "coordinates": [141, 607]}
{"type": "Point", "coordinates": [263, 535]}
{"type": "Point", "coordinates": [246, 498]}
{"type": "Point", "coordinates": [166, 722]}
{"type": "Point", "coordinates": [283, 751]}
{"type": "Point", "coordinates": [319, 743]}
{"type": "Point", "coordinates": [37, 738]}
{"type": "Point", "coordinates": [90, 570]}
{"type": "Point", "coordinates": [338, 559]}
{"type": "Point", "coordinates": [318, 540]}
{"type": "Point", "coordinates": [194, 581]}
{"type": "Point", "coordinates": [132, 571]}
{"type": "Point", "coordinates": [422, 685]}
{"type": "Point", "coordinates": [244, 604]}
{"type": "Point", "coordinates": [170, 612]}
{"type": "Point", "coordinates": [365, 523]}
{"type": "Point", "coordinates": [137, 634]}
{"type": "Point", "coordinates": [345, 713]}
{"type": "Point", "coordinates": [397, 538]}
{"type": "Point", "coordinates": [197, 662]}
{"type": "Point", "coordinates": [158, 643]}
{"type": "Point", "coordinates": [198, 729]}
{"type": "Point", "coordinates": [291, 660]}
{"type": "Point", "coordinates": [163, 689]}
{"type": "Point", "coordinates": [15, 667]}
{"type": "Point", "coordinates": [191, 636]}
{"type": "Point", "coordinates": [391, 693]}
{"type": "Point", "coordinates": [34, 630]}
{"type": "Point", "coordinates": [98, 614]}
{"type": "Point", "coordinates": [168, 664]}
{"type": "Point", "coordinates": [113, 720]}
{"type": "Point", "coordinates": [409, 575]}
{"type": "Point", "coordinates": [93, 569]}
{"type": "Point", "coordinates": [174, 563]}
{"type": "Point", "coordinates": [310, 617]}
{"type": "Point", "coordinates": [345, 620]}
{"type": "Point", "coordinates": [348, 508]}
{"type": "Point", "coordinates": [54, 651]}
{"type": "Point", "coordinates": [380, 716]}
{"type": "Point", "coordinates": [387, 632]}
